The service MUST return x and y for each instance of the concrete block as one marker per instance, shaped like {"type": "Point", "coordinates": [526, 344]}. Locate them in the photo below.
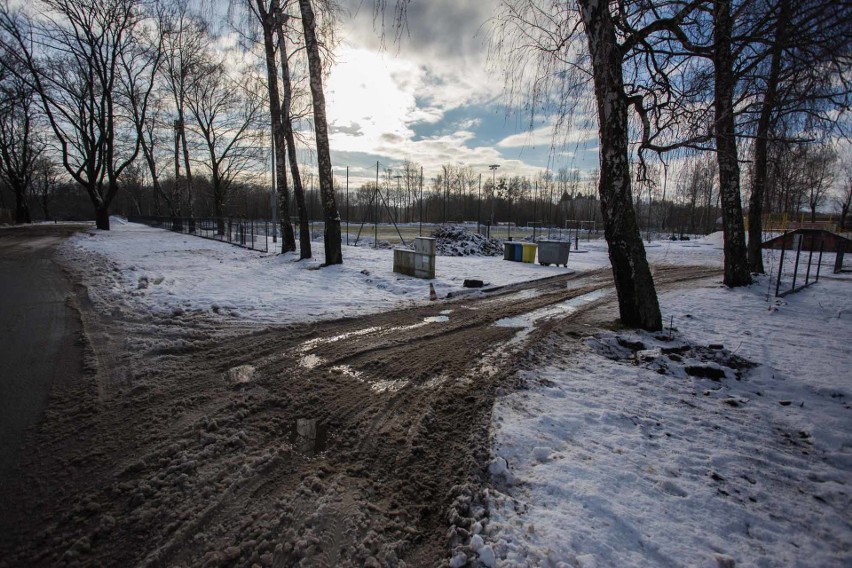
{"type": "Point", "coordinates": [403, 262]}
{"type": "Point", "coordinates": [424, 245]}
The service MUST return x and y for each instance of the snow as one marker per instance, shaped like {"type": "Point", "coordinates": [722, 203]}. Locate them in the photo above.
{"type": "Point", "coordinates": [171, 273]}
{"type": "Point", "coordinates": [723, 441]}
{"type": "Point", "coordinates": [647, 462]}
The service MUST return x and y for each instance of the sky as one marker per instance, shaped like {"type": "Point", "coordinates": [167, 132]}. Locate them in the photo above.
{"type": "Point", "coordinates": [433, 97]}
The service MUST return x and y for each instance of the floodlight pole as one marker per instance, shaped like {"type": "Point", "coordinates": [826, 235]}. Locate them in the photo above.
{"type": "Point", "coordinates": [493, 168]}
{"type": "Point", "coordinates": [479, 203]}
{"type": "Point", "coordinates": [398, 190]}
{"type": "Point", "coordinates": [347, 205]}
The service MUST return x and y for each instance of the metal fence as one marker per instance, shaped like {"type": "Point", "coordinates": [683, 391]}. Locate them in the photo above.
{"type": "Point", "coordinates": [797, 272]}
{"type": "Point", "coordinates": [252, 234]}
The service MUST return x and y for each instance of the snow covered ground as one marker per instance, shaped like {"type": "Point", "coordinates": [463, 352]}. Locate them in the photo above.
{"type": "Point", "coordinates": [638, 449]}
{"type": "Point", "coordinates": [632, 453]}
{"type": "Point", "coordinates": [163, 272]}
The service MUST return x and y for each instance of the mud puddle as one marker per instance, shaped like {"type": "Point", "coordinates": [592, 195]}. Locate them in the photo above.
{"type": "Point", "coordinates": [527, 322]}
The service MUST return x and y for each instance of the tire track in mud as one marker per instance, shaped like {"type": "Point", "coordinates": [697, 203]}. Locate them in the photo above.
{"type": "Point", "coordinates": [354, 442]}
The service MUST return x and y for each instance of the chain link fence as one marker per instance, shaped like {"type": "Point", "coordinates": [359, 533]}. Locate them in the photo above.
{"type": "Point", "coordinates": [252, 234]}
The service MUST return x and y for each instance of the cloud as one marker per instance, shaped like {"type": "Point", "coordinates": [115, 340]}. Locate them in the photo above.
{"type": "Point", "coordinates": [429, 98]}
{"type": "Point", "coordinates": [547, 136]}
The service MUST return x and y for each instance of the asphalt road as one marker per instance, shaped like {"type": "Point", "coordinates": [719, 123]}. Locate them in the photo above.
{"type": "Point", "coordinates": [38, 331]}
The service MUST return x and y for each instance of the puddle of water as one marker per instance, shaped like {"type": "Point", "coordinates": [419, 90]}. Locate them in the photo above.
{"type": "Point", "coordinates": [526, 322]}
{"type": "Point", "coordinates": [309, 436]}
{"type": "Point", "coordinates": [436, 319]}
{"type": "Point", "coordinates": [445, 312]}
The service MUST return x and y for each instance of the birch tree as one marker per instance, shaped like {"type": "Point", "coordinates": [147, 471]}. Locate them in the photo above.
{"type": "Point", "coordinates": [333, 252]}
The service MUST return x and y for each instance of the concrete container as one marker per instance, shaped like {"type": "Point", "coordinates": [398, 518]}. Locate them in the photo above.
{"type": "Point", "coordinates": [424, 266]}
{"type": "Point", "coordinates": [424, 245]}
{"type": "Point", "coordinates": [403, 261]}
{"type": "Point", "coordinates": [419, 262]}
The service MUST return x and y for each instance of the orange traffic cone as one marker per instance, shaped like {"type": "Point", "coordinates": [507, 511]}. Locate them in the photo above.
{"type": "Point", "coordinates": [432, 295]}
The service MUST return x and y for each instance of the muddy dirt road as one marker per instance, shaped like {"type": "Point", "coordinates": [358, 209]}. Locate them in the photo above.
{"type": "Point", "coordinates": [358, 442]}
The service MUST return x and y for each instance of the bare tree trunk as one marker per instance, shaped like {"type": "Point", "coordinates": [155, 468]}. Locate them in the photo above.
{"type": "Point", "coordinates": [637, 297]}
{"type": "Point", "coordinates": [333, 253]}
{"type": "Point", "coordinates": [22, 210]}
{"type": "Point", "coordinates": [736, 260]}
{"type": "Point", "coordinates": [288, 238]}
{"type": "Point", "coordinates": [102, 217]}
{"type": "Point", "coordinates": [185, 148]}
{"type": "Point", "coordinates": [287, 125]}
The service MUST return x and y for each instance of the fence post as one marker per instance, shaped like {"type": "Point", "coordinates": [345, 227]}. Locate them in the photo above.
{"type": "Point", "coordinates": [810, 259]}
{"type": "Point", "coordinates": [781, 262]}
{"type": "Point", "coordinates": [798, 255]}
{"type": "Point", "coordinates": [819, 262]}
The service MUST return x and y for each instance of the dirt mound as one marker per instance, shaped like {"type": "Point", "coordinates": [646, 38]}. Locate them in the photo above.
{"type": "Point", "coordinates": [456, 240]}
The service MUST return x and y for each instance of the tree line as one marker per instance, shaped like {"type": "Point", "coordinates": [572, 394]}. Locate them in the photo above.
{"type": "Point", "coordinates": [106, 90]}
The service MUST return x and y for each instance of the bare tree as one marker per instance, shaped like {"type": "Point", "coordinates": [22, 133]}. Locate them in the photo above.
{"type": "Point", "coordinates": [333, 252]}
{"type": "Point", "coordinates": [71, 54]}
{"type": "Point", "coordinates": [185, 43]}
{"type": "Point", "coordinates": [287, 118]}
{"type": "Point", "coordinates": [226, 117]}
{"type": "Point", "coordinates": [818, 170]}
{"type": "Point", "coordinates": [20, 147]}
{"type": "Point", "coordinates": [802, 80]}
{"type": "Point", "coordinates": [142, 64]}
{"type": "Point", "coordinates": [45, 182]}
{"type": "Point", "coordinates": [844, 200]}
{"type": "Point", "coordinates": [267, 14]}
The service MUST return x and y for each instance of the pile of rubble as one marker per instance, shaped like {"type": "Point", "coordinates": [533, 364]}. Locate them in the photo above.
{"type": "Point", "coordinates": [457, 240]}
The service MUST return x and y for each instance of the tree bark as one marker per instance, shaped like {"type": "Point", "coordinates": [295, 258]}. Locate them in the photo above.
{"type": "Point", "coordinates": [22, 210]}
{"type": "Point", "coordinates": [288, 238]}
{"type": "Point", "coordinates": [102, 217]}
{"type": "Point", "coordinates": [736, 260]}
{"type": "Point", "coordinates": [634, 284]}
{"type": "Point", "coordinates": [333, 253]}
